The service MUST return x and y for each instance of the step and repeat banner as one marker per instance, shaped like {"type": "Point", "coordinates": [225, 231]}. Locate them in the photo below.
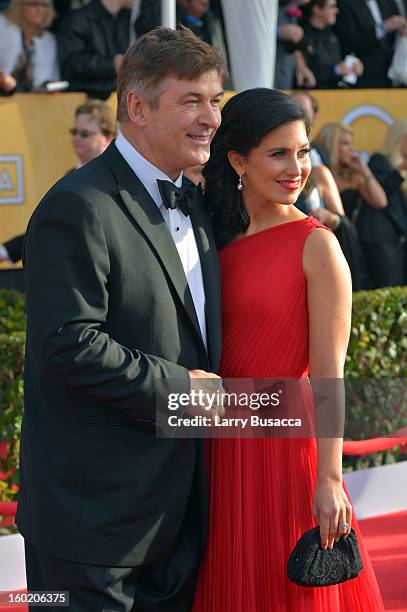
{"type": "Point", "coordinates": [35, 144]}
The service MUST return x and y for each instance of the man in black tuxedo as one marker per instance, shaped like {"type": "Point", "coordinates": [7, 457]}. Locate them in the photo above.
{"type": "Point", "coordinates": [367, 28]}
{"type": "Point", "coordinates": [122, 292]}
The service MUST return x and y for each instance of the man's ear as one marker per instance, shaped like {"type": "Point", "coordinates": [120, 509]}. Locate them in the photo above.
{"type": "Point", "coordinates": [136, 106]}
{"type": "Point", "coordinates": [237, 162]}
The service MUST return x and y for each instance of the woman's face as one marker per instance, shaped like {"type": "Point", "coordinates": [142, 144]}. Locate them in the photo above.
{"type": "Point", "coordinates": [328, 13]}
{"type": "Point", "coordinates": [35, 12]}
{"type": "Point", "coordinates": [278, 168]}
{"type": "Point", "coordinates": [345, 148]}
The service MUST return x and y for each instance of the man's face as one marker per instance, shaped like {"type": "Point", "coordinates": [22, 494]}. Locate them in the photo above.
{"type": "Point", "coordinates": [179, 133]}
{"type": "Point", "coordinates": [87, 139]}
{"type": "Point", "coordinates": [305, 103]}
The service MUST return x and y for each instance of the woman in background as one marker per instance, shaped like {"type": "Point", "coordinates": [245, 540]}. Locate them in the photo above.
{"type": "Point", "coordinates": [321, 50]}
{"type": "Point", "coordinates": [354, 178]}
{"type": "Point", "coordinates": [286, 311]}
{"type": "Point", "coordinates": [28, 53]}
{"type": "Point", "coordinates": [373, 197]}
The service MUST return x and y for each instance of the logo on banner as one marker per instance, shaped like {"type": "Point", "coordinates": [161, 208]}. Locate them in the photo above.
{"type": "Point", "coordinates": [367, 110]}
{"type": "Point", "coordinates": [362, 111]}
{"type": "Point", "coordinates": [11, 179]}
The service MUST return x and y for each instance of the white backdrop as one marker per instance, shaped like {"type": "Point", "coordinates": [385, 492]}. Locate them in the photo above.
{"type": "Point", "coordinates": [251, 32]}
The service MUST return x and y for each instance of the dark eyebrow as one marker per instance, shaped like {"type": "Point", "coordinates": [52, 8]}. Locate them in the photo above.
{"type": "Point", "coordinates": [303, 146]}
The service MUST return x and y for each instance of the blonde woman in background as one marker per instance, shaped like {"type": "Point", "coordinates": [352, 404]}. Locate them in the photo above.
{"type": "Point", "coordinates": [355, 180]}
{"type": "Point", "coordinates": [28, 53]}
{"type": "Point", "coordinates": [374, 195]}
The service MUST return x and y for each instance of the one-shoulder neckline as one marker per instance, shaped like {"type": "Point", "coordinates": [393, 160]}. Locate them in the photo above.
{"type": "Point", "coordinates": [266, 230]}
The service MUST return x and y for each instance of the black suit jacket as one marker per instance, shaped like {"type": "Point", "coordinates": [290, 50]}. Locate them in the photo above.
{"type": "Point", "coordinates": [109, 312]}
{"type": "Point", "coordinates": [88, 39]}
{"type": "Point", "coordinates": [150, 16]}
{"type": "Point", "coordinates": [15, 247]}
{"type": "Point", "coordinates": [384, 225]}
{"type": "Point", "coordinates": [355, 28]}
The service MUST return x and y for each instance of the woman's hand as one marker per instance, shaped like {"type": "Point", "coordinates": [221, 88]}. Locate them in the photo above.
{"type": "Point", "coordinates": [402, 165]}
{"type": "Point", "coordinates": [343, 69]}
{"type": "Point", "coordinates": [358, 67]}
{"type": "Point", "coordinates": [331, 507]}
{"type": "Point", "coordinates": [358, 165]}
{"type": "Point", "coordinates": [7, 82]}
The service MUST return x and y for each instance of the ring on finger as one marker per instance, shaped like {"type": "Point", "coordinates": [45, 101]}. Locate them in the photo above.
{"type": "Point", "coordinates": [343, 526]}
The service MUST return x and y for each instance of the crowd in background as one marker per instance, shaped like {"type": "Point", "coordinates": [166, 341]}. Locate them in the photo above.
{"type": "Point", "coordinates": [320, 44]}
{"type": "Point", "coordinates": [339, 43]}
{"type": "Point", "coordinates": [364, 204]}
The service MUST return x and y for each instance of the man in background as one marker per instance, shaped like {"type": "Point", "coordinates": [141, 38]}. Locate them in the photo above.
{"type": "Point", "coordinates": [93, 130]}
{"type": "Point", "coordinates": [91, 44]}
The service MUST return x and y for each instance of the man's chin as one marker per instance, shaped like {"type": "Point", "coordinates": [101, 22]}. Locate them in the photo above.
{"type": "Point", "coordinates": [198, 159]}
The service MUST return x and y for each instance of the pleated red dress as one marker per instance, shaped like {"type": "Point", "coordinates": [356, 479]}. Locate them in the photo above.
{"type": "Point", "coordinates": [261, 489]}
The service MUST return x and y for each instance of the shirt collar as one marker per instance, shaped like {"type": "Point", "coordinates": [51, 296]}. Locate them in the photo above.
{"type": "Point", "coordinates": [146, 172]}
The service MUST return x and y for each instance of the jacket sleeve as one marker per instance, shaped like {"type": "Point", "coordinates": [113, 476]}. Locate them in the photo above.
{"type": "Point", "coordinates": [389, 178]}
{"type": "Point", "coordinates": [15, 248]}
{"type": "Point", "coordinates": [324, 74]}
{"type": "Point", "coordinates": [355, 35]}
{"type": "Point", "coordinates": [149, 17]}
{"type": "Point", "coordinates": [67, 272]}
{"type": "Point", "coordinates": [76, 60]}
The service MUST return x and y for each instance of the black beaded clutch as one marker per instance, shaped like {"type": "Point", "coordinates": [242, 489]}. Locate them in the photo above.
{"type": "Point", "coordinates": [310, 565]}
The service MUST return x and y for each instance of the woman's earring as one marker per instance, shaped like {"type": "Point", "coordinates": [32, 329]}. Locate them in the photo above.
{"type": "Point", "coordinates": [240, 183]}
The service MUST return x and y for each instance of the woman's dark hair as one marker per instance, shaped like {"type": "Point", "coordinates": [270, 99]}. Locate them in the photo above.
{"type": "Point", "coordinates": [246, 119]}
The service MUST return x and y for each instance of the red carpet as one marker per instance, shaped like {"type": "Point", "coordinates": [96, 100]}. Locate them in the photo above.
{"type": "Point", "coordinates": [386, 540]}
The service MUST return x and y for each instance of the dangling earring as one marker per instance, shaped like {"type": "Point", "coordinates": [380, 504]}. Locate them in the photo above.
{"type": "Point", "coordinates": [240, 183]}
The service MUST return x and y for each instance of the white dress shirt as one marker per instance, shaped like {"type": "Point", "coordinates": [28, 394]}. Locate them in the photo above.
{"type": "Point", "coordinates": [179, 226]}
{"type": "Point", "coordinates": [401, 7]}
{"type": "Point", "coordinates": [377, 16]}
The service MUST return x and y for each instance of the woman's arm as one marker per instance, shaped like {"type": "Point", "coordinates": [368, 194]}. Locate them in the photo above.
{"type": "Point", "coordinates": [327, 187]}
{"type": "Point", "coordinates": [368, 187]}
{"type": "Point", "coordinates": [329, 313]}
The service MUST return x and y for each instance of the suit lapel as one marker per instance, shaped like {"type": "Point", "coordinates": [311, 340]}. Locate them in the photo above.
{"type": "Point", "coordinates": [148, 218]}
{"type": "Point", "coordinates": [210, 272]}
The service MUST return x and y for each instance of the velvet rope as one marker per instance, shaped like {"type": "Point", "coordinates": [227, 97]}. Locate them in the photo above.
{"type": "Point", "coordinates": [376, 445]}
{"type": "Point", "coordinates": [356, 447]}
{"type": "Point", "coordinates": [8, 508]}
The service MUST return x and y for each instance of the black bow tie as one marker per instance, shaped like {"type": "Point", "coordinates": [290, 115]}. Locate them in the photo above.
{"type": "Point", "coordinates": [178, 197]}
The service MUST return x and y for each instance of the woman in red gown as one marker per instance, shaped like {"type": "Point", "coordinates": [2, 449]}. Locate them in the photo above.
{"type": "Point", "coordinates": [286, 295]}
